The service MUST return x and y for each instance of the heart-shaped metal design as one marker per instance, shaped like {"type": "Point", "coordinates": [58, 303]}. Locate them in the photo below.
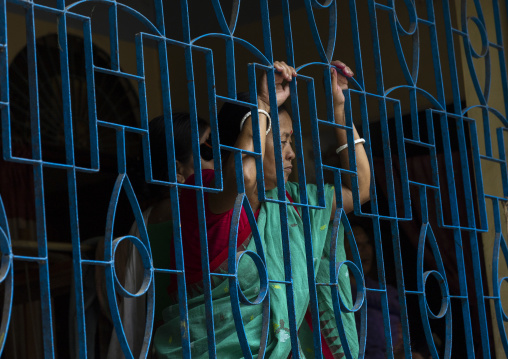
{"type": "Point", "coordinates": [227, 29]}
{"type": "Point", "coordinates": [325, 55]}
{"type": "Point", "coordinates": [470, 52]}
{"type": "Point", "coordinates": [411, 76]}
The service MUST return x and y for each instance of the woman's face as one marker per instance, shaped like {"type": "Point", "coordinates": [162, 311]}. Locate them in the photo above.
{"type": "Point", "coordinates": [186, 170]}
{"type": "Point", "coordinates": [286, 132]}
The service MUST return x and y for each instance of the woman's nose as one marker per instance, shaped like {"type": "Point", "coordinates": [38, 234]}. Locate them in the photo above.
{"type": "Point", "coordinates": [290, 155]}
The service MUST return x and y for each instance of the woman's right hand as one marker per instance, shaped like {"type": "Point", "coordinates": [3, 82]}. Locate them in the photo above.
{"type": "Point", "coordinates": [224, 201]}
{"type": "Point", "coordinates": [283, 75]}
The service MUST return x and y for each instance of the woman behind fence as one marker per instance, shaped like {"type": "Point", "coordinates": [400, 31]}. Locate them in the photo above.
{"type": "Point", "coordinates": [235, 129]}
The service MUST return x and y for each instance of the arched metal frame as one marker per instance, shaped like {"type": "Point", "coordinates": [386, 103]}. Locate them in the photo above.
{"type": "Point", "coordinates": [156, 32]}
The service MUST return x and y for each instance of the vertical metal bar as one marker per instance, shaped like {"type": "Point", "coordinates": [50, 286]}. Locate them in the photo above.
{"type": "Point", "coordinates": [311, 276]}
{"type": "Point", "coordinates": [4, 83]}
{"type": "Point", "coordinates": [436, 59]}
{"type": "Point", "coordinates": [502, 156]}
{"type": "Point", "coordinates": [267, 38]}
{"type": "Point", "coordinates": [397, 253]}
{"type": "Point", "coordinates": [311, 101]}
{"type": "Point", "coordinates": [451, 58]}
{"type": "Point", "coordinates": [113, 37]}
{"type": "Point", "coordinates": [47, 325]}
{"type": "Point", "coordinates": [468, 198]}
{"type": "Point", "coordinates": [121, 159]}
{"type": "Point", "coordinates": [90, 91]}
{"type": "Point", "coordinates": [71, 183]}
{"type": "Point", "coordinates": [415, 124]}
{"type": "Point", "coordinates": [179, 262]}
{"type": "Point", "coordinates": [199, 193]}
{"type": "Point", "coordinates": [212, 112]}
{"type": "Point", "coordinates": [231, 68]}
{"type": "Point", "coordinates": [140, 71]}
{"type": "Point", "coordinates": [353, 15]}
{"type": "Point", "coordinates": [297, 128]}
{"type": "Point", "coordinates": [159, 16]}
{"type": "Point", "coordinates": [281, 194]}
{"type": "Point", "coordinates": [378, 243]}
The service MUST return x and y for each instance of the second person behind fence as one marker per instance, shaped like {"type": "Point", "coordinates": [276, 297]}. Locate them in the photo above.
{"type": "Point", "coordinates": [159, 223]}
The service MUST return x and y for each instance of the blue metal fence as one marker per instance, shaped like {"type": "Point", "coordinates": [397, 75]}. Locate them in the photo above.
{"type": "Point", "coordinates": [445, 131]}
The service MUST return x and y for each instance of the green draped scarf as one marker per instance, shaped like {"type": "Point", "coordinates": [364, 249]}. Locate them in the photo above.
{"type": "Point", "coordinates": [167, 339]}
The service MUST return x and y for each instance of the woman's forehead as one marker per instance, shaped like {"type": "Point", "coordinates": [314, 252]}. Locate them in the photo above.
{"type": "Point", "coordinates": [285, 123]}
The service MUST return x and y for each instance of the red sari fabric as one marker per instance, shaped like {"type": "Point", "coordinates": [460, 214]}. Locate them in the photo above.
{"type": "Point", "coordinates": [217, 225]}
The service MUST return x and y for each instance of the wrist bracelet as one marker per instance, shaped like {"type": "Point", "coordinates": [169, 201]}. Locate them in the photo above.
{"type": "Point", "coordinates": [259, 111]}
{"type": "Point", "coordinates": [338, 150]}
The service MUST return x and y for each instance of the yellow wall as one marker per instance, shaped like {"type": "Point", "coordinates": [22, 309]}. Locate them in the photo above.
{"type": "Point", "coordinates": [490, 171]}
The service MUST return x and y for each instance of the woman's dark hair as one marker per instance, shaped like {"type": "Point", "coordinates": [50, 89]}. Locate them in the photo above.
{"type": "Point", "coordinates": [229, 118]}
{"type": "Point", "coordinates": [181, 137]}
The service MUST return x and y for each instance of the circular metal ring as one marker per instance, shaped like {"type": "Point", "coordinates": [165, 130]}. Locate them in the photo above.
{"type": "Point", "coordinates": [484, 38]}
{"type": "Point", "coordinates": [263, 278]}
{"type": "Point", "coordinates": [147, 265]}
{"type": "Point", "coordinates": [360, 287]}
{"type": "Point", "coordinates": [444, 293]}
{"type": "Point", "coordinates": [505, 317]}
{"type": "Point", "coordinates": [5, 248]}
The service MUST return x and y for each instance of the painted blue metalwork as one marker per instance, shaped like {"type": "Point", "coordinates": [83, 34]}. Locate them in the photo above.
{"type": "Point", "coordinates": [444, 185]}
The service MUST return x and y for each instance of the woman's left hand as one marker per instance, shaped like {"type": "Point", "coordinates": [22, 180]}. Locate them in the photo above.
{"type": "Point", "coordinates": [339, 84]}
{"type": "Point", "coordinates": [283, 76]}
{"type": "Point", "coordinates": [339, 81]}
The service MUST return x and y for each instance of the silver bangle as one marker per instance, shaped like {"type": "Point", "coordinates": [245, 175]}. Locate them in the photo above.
{"type": "Point", "coordinates": [248, 114]}
{"type": "Point", "coordinates": [338, 150]}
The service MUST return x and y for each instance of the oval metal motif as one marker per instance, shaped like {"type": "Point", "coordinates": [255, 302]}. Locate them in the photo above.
{"type": "Point", "coordinates": [470, 53]}
{"type": "Point", "coordinates": [112, 284]}
{"type": "Point", "coordinates": [411, 76]}
{"type": "Point", "coordinates": [236, 293]}
{"type": "Point", "coordinates": [502, 318]}
{"type": "Point", "coordinates": [421, 278]}
{"type": "Point", "coordinates": [355, 266]}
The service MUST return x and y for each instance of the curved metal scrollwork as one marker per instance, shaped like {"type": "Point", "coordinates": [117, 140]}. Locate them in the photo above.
{"type": "Point", "coordinates": [427, 236]}
{"type": "Point", "coordinates": [354, 267]}
{"type": "Point", "coordinates": [238, 296]}
{"type": "Point", "coordinates": [6, 275]}
{"type": "Point", "coordinates": [142, 245]}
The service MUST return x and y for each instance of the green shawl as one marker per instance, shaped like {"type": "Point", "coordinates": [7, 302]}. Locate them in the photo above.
{"type": "Point", "coordinates": [167, 339]}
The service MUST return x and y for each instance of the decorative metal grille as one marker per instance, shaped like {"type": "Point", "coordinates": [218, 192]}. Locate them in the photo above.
{"type": "Point", "coordinates": [441, 123]}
